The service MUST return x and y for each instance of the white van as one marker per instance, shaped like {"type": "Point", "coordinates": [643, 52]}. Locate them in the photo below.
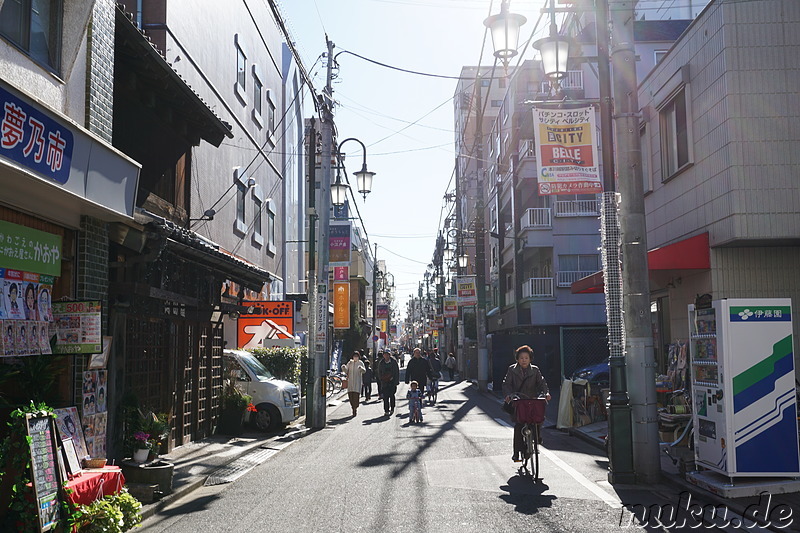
{"type": "Point", "coordinates": [277, 401]}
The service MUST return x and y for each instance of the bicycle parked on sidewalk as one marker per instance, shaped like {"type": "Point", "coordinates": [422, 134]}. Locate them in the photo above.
{"type": "Point", "coordinates": [333, 382]}
{"type": "Point", "coordinates": [530, 413]}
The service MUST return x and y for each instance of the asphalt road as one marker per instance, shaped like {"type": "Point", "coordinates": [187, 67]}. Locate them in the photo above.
{"type": "Point", "coordinates": [452, 473]}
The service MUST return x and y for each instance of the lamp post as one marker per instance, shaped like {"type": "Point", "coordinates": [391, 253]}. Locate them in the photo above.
{"type": "Point", "coordinates": [627, 291]}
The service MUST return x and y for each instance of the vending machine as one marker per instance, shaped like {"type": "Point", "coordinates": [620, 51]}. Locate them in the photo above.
{"type": "Point", "coordinates": [743, 385]}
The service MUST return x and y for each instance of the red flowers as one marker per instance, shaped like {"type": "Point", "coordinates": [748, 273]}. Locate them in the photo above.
{"type": "Point", "coordinates": [251, 408]}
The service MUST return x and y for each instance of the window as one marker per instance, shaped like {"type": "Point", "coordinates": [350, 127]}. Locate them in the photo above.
{"type": "Point", "coordinates": [258, 96]}
{"type": "Point", "coordinates": [34, 26]}
{"type": "Point", "coordinates": [579, 263]}
{"type": "Point", "coordinates": [501, 83]}
{"type": "Point", "coordinates": [659, 55]}
{"type": "Point", "coordinates": [241, 71]}
{"type": "Point", "coordinates": [258, 235]}
{"type": "Point", "coordinates": [674, 129]}
{"type": "Point", "coordinates": [270, 228]}
{"type": "Point", "coordinates": [270, 118]}
{"type": "Point", "coordinates": [647, 184]}
{"type": "Point", "coordinates": [486, 83]}
{"type": "Point", "coordinates": [497, 103]}
{"type": "Point", "coordinates": [241, 183]}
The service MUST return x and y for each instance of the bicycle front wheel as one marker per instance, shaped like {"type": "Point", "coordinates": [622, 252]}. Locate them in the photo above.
{"type": "Point", "coordinates": [535, 456]}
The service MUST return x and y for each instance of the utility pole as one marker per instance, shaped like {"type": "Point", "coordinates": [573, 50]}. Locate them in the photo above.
{"type": "Point", "coordinates": [314, 387]}
{"type": "Point", "coordinates": [319, 354]}
{"type": "Point", "coordinates": [620, 452]}
{"type": "Point", "coordinates": [635, 283]}
{"type": "Point", "coordinates": [480, 246]}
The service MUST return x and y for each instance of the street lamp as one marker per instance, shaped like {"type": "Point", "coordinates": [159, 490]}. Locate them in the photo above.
{"type": "Point", "coordinates": [339, 191]}
{"type": "Point", "coordinates": [363, 176]}
{"type": "Point", "coordinates": [504, 28]}
{"type": "Point", "coordinates": [555, 52]}
{"type": "Point", "coordinates": [463, 260]}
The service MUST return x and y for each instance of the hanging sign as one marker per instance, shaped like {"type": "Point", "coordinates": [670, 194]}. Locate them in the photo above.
{"type": "Point", "coordinates": [467, 293]}
{"type": "Point", "coordinates": [438, 321]}
{"type": "Point", "coordinates": [78, 327]}
{"type": "Point", "coordinates": [450, 304]}
{"type": "Point", "coordinates": [567, 151]}
{"type": "Point", "coordinates": [381, 311]}
{"type": "Point", "coordinates": [341, 273]}
{"type": "Point", "coordinates": [270, 320]}
{"type": "Point", "coordinates": [339, 242]}
{"type": "Point", "coordinates": [341, 305]}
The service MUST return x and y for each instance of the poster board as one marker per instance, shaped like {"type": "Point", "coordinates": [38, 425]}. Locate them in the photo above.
{"type": "Point", "coordinates": [269, 320]}
{"type": "Point", "coordinates": [78, 326]}
{"type": "Point", "coordinates": [69, 427]}
{"type": "Point", "coordinates": [44, 469]}
{"type": "Point", "coordinates": [71, 457]}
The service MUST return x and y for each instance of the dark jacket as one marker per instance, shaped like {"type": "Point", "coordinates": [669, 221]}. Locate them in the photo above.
{"type": "Point", "coordinates": [532, 387]}
{"type": "Point", "coordinates": [417, 370]}
{"type": "Point", "coordinates": [390, 368]}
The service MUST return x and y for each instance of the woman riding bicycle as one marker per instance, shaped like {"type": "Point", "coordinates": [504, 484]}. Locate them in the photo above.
{"type": "Point", "coordinates": [525, 379]}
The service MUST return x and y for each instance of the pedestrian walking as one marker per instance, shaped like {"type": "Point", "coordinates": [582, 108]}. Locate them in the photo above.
{"type": "Point", "coordinates": [389, 376]}
{"type": "Point", "coordinates": [418, 369]}
{"type": "Point", "coordinates": [354, 370]}
{"type": "Point", "coordinates": [367, 379]}
{"type": "Point", "coordinates": [450, 364]}
{"type": "Point", "coordinates": [525, 378]}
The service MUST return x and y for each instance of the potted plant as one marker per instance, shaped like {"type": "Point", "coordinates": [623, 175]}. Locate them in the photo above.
{"type": "Point", "coordinates": [235, 405]}
{"type": "Point", "coordinates": [142, 446]}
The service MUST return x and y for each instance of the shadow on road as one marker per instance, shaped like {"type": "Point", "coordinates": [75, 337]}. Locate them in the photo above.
{"type": "Point", "coordinates": [193, 506]}
{"type": "Point", "coordinates": [526, 496]}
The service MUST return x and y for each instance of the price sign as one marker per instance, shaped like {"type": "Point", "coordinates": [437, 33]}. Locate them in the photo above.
{"type": "Point", "coordinates": [44, 470]}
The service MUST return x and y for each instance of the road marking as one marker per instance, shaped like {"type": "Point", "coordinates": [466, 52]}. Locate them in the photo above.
{"type": "Point", "coordinates": [610, 500]}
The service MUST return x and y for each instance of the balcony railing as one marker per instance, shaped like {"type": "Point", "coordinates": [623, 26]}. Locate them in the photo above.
{"type": "Point", "coordinates": [567, 277]}
{"type": "Point", "coordinates": [574, 80]}
{"type": "Point", "coordinates": [577, 208]}
{"type": "Point", "coordinates": [537, 288]}
{"type": "Point", "coordinates": [537, 218]}
{"type": "Point", "coordinates": [528, 149]}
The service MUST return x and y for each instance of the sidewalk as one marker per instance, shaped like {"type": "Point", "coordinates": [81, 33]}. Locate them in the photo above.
{"type": "Point", "coordinates": [768, 507]}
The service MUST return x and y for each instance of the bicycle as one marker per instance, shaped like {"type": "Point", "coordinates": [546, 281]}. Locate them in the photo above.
{"type": "Point", "coordinates": [333, 382]}
{"type": "Point", "coordinates": [432, 391]}
{"type": "Point", "coordinates": [530, 412]}
{"type": "Point", "coordinates": [416, 411]}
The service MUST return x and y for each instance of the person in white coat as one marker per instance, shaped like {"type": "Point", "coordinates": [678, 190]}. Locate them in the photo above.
{"type": "Point", "coordinates": [354, 369]}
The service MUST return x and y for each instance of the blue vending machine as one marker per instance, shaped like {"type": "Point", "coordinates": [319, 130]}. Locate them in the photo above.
{"type": "Point", "coordinates": [743, 385]}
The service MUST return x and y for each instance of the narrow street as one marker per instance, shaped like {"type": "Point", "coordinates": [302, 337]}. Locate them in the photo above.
{"type": "Point", "coordinates": [453, 473]}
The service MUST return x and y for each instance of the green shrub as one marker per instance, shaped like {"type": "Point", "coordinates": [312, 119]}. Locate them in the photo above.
{"type": "Point", "coordinates": [289, 364]}
{"type": "Point", "coordinates": [111, 514]}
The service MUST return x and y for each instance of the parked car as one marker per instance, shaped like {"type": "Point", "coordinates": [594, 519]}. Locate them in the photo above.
{"type": "Point", "coordinates": [597, 374]}
{"type": "Point", "coordinates": [277, 402]}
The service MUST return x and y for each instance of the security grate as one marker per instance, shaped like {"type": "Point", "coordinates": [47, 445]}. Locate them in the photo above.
{"type": "Point", "coordinates": [236, 469]}
{"type": "Point", "coordinates": [610, 235]}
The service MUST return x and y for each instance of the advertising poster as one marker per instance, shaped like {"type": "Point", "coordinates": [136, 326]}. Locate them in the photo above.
{"type": "Point", "coordinates": [89, 393]}
{"type": "Point", "coordinates": [339, 242]}
{"type": "Point", "coordinates": [381, 311]}
{"type": "Point", "coordinates": [466, 290]}
{"type": "Point", "coordinates": [269, 320]}
{"type": "Point", "coordinates": [78, 327]}
{"type": "Point", "coordinates": [450, 306]}
{"type": "Point", "coordinates": [567, 151]}
{"type": "Point", "coordinates": [14, 309]}
{"type": "Point", "coordinates": [341, 305]}
{"type": "Point", "coordinates": [69, 427]}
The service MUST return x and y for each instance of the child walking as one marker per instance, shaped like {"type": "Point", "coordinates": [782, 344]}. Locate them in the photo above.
{"type": "Point", "coordinates": [414, 396]}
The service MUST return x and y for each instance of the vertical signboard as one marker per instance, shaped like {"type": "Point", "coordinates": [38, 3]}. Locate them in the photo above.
{"type": "Point", "coordinates": [321, 335]}
{"type": "Point", "coordinates": [339, 242]}
{"type": "Point", "coordinates": [567, 151]}
{"type": "Point", "coordinates": [466, 290]}
{"type": "Point", "coordinates": [341, 273]}
{"type": "Point", "coordinates": [341, 305]}
{"type": "Point", "coordinates": [382, 311]}
{"type": "Point", "coordinates": [44, 469]}
{"type": "Point", "coordinates": [450, 304]}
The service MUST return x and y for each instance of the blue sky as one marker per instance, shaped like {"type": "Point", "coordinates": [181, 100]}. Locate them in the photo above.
{"type": "Point", "coordinates": [405, 120]}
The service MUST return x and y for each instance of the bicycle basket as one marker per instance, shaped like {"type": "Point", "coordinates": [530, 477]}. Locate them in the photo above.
{"type": "Point", "coordinates": [529, 411]}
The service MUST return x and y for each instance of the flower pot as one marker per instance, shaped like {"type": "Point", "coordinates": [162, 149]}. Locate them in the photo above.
{"type": "Point", "coordinates": [155, 473]}
{"type": "Point", "coordinates": [231, 421]}
{"type": "Point", "coordinates": [141, 455]}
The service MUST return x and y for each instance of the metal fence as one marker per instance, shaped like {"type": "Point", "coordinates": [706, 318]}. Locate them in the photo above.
{"type": "Point", "coordinates": [581, 347]}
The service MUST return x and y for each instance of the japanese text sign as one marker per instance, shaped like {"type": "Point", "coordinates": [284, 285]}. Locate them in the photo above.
{"type": "Point", "coordinates": [381, 311]}
{"type": "Point", "coordinates": [450, 307]}
{"type": "Point", "coordinates": [270, 320]}
{"type": "Point", "coordinates": [341, 305]}
{"type": "Point", "coordinates": [34, 140]}
{"type": "Point", "coordinates": [567, 152]}
{"type": "Point", "coordinates": [339, 243]}
{"type": "Point", "coordinates": [466, 290]}
{"type": "Point", "coordinates": [341, 273]}
{"type": "Point", "coordinates": [78, 326]}
{"type": "Point", "coordinates": [30, 250]}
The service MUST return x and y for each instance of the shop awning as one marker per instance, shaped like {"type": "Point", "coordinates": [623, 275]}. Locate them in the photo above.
{"type": "Point", "coordinates": [688, 254]}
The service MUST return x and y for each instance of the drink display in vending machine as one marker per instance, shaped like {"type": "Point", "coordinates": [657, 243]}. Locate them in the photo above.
{"type": "Point", "coordinates": [743, 387]}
